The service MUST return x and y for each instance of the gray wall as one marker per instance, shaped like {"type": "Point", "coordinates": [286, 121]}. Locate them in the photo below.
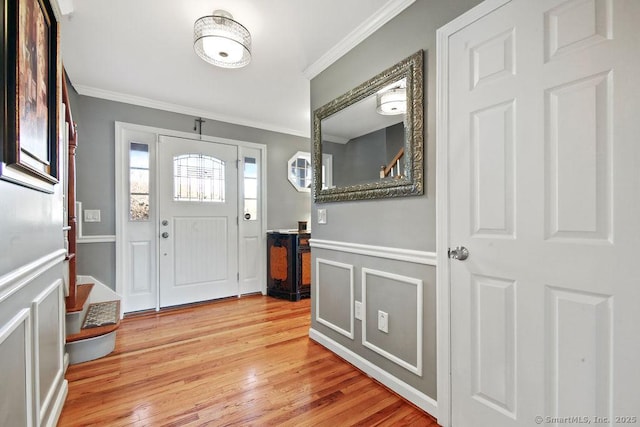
{"type": "Point", "coordinates": [408, 222]}
{"type": "Point", "coordinates": [359, 160]}
{"type": "Point", "coordinates": [96, 170]}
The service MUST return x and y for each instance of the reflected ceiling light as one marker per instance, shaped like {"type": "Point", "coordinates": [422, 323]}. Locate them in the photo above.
{"type": "Point", "coordinates": [392, 101]}
{"type": "Point", "coordinates": [222, 41]}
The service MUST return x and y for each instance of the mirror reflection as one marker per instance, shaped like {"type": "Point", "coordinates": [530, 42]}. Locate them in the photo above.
{"type": "Point", "coordinates": [367, 138]}
{"type": "Point", "coordinates": [374, 136]}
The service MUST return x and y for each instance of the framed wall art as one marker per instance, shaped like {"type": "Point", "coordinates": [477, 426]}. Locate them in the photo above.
{"type": "Point", "coordinates": [31, 94]}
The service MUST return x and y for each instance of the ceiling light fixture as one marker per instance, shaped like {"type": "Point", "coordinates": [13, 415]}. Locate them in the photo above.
{"type": "Point", "coordinates": [222, 41]}
{"type": "Point", "coordinates": [392, 101]}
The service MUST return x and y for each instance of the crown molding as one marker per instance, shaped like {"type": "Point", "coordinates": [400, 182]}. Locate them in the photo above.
{"type": "Point", "coordinates": [361, 32]}
{"type": "Point", "coordinates": [181, 109]}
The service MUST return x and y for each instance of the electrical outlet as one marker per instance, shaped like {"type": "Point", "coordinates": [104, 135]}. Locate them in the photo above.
{"type": "Point", "coordinates": [383, 321]}
{"type": "Point", "coordinates": [358, 310]}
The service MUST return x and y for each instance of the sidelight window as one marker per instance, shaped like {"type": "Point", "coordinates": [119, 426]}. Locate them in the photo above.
{"type": "Point", "coordinates": [138, 182]}
{"type": "Point", "coordinates": [250, 189]}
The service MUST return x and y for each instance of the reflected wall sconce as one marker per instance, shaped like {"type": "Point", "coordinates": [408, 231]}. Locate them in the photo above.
{"type": "Point", "coordinates": [222, 41]}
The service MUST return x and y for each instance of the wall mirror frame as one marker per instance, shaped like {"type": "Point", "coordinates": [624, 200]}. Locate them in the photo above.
{"type": "Point", "coordinates": [409, 180]}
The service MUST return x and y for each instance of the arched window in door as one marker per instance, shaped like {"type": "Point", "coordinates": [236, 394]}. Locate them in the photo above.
{"type": "Point", "coordinates": [198, 178]}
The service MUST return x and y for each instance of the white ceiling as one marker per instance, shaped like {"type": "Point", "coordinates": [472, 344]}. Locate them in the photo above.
{"type": "Point", "coordinates": [141, 52]}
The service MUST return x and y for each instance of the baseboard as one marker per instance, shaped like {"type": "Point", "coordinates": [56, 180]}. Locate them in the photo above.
{"type": "Point", "coordinates": [413, 395]}
{"type": "Point", "coordinates": [57, 405]}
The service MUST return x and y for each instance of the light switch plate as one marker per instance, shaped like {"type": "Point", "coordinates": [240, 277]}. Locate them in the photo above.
{"type": "Point", "coordinates": [322, 216]}
{"type": "Point", "coordinates": [358, 310]}
{"type": "Point", "coordinates": [92, 215]}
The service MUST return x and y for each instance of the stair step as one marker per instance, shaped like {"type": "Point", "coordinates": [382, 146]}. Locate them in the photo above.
{"type": "Point", "coordinates": [102, 318]}
{"type": "Point", "coordinates": [82, 293]}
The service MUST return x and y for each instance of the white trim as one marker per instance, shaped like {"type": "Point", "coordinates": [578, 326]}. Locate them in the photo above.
{"type": "Point", "coordinates": [181, 109]}
{"type": "Point", "coordinates": [108, 238]}
{"type": "Point", "coordinates": [81, 238]}
{"type": "Point", "coordinates": [417, 368]}
{"type": "Point", "coordinates": [350, 333]}
{"type": "Point", "coordinates": [42, 407]}
{"type": "Point", "coordinates": [13, 281]}
{"type": "Point", "coordinates": [406, 391]}
{"type": "Point", "coordinates": [443, 286]}
{"type": "Point", "coordinates": [23, 317]}
{"type": "Point", "coordinates": [398, 254]}
{"type": "Point", "coordinates": [389, 11]}
{"type": "Point", "coordinates": [58, 403]}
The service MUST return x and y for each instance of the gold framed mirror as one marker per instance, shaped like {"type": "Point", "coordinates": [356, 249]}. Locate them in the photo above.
{"type": "Point", "coordinates": [374, 134]}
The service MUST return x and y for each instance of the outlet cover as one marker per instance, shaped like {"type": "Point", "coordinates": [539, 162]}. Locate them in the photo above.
{"type": "Point", "coordinates": [358, 310]}
{"type": "Point", "coordinates": [383, 321]}
{"type": "Point", "coordinates": [322, 216]}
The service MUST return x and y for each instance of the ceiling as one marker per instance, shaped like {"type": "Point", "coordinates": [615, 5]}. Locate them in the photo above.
{"type": "Point", "coordinates": [141, 52]}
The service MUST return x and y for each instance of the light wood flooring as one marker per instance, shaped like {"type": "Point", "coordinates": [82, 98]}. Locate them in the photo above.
{"type": "Point", "coordinates": [234, 362]}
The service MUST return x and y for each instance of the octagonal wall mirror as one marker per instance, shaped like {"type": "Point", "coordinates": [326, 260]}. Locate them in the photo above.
{"type": "Point", "coordinates": [374, 136]}
{"type": "Point", "coordinates": [299, 171]}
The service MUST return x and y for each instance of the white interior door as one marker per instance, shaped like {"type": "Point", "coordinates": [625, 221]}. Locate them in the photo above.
{"type": "Point", "coordinates": [544, 192]}
{"type": "Point", "coordinates": [198, 217]}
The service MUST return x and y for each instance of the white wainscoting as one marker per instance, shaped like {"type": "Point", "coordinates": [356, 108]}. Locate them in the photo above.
{"type": "Point", "coordinates": [417, 368]}
{"type": "Point", "coordinates": [398, 254]}
{"type": "Point", "coordinates": [31, 318]}
{"type": "Point", "coordinates": [412, 394]}
{"type": "Point", "coordinates": [55, 290]}
{"type": "Point", "coordinates": [319, 289]}
{"type": "Point", "coordinates": [401, 268]}
{"type": "Point", "coordinates": [19, 324]}
{"type": "Point", "coordinates": [15, 280]}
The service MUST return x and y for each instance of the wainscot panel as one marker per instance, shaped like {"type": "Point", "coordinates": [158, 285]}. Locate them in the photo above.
{"type": "Point", "coordinates": [32, 342]}
{"type": "Point", "coordinates": [397, 282]}
{"type": "Point", "coordinates": [334, 296]}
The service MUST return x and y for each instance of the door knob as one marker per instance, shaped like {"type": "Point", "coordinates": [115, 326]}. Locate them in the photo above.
{"type": "Point", "coordinates": [165, 235]}
{"type": "Point", "coordinates": [460, 253]}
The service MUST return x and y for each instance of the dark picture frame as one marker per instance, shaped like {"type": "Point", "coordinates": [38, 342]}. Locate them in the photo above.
{"type": "Point", "coordinates": [31, 94]}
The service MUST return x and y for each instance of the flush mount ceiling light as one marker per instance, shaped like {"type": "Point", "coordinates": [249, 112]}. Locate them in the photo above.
{"type": "Point", "coordinates": [392, 101]}
{"type": "Point", "coordinates": [222, 41]}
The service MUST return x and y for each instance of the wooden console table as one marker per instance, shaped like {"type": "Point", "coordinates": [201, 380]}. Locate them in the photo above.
{"type": "Point", "coordinates": [288, 265]}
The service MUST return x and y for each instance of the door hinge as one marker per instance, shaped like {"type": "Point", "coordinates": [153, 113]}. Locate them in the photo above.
{"type": "Point", "coordinates": [238, 276]}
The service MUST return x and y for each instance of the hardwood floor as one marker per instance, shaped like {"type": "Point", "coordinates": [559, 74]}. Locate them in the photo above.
{"type": "Point", "coordinates": [237, 362]}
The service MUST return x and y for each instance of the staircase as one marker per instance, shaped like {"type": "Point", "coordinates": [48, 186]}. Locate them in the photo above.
{"type": "Point", "coordinates": [394, 168]}
{"type": "Point", "coordinates": [92, 309]}
{"type": "Point", "coordinates": [92, 322]}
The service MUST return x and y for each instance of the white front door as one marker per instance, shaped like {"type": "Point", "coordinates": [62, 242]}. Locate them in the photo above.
{"type": "Point", "coordinates": [543, 157]}
{"type": "Point", "coordinates": [198, 217]}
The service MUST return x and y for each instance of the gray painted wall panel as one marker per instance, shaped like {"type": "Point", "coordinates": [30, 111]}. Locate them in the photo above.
{"type": "Point", "coordinates": [334, 295]}
{"type": "Point", "coordinates": [383, 298]}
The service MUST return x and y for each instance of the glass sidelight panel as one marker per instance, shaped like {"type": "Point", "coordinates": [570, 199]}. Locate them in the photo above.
{"type": "Point", "coordinates": [138, 182]}
{"type": "Point", "coordinates": [250, 189]}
